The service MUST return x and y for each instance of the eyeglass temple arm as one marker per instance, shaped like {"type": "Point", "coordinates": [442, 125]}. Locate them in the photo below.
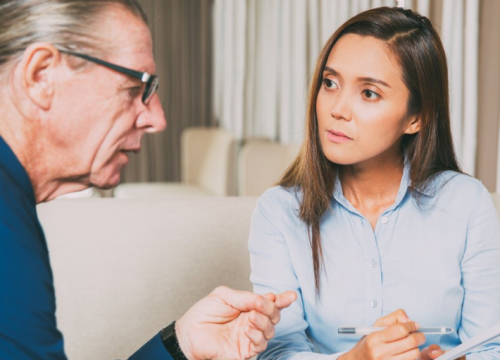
{"type": "Point", "coordinates": [137, 74]}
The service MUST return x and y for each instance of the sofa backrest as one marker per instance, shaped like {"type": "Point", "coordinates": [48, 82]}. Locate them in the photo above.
{"type": "Point", "coordinates": [261, 164]}
{"type": "Point", "coordinates": [207, 159]}
{"type": "Point", "coordinates": [124, 269]}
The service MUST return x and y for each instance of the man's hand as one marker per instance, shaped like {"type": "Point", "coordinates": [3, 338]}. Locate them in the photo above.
{"type": "Point", "coordinates": [230, 324]}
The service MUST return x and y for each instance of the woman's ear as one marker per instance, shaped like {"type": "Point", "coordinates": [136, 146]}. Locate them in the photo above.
{"type": "Point", "coordinates": [413, 125]}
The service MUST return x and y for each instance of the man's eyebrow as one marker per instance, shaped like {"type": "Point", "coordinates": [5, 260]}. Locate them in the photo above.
{"type": "Point", "coordinates": [365, 79]}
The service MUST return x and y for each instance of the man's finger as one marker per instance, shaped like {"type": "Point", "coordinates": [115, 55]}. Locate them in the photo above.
{"type": "Point", "coordinates": [268, 308]}
{"type": "Point", "coordinates": [257, 340]}
{"type": "Point", "coordinates": [240, 300]}
{"type": "Point", "coordinates": [272, 308]}
{"type": "Point", "coordinates": [262, 323]}
{"type": "Point", "coordinates": [285, 299]}
{"type": "Point", "coordinates": [270, 296]}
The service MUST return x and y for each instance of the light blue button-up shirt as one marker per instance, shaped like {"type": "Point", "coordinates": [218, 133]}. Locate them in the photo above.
{"type": "Point", "coordinates": [439, 260]}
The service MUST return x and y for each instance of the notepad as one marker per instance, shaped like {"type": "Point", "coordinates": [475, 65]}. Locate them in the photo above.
{"type": "Point", "coordinates": [478, 340]}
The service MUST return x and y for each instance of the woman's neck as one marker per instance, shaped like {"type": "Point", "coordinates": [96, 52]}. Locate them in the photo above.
{"type": "Point", "coordinates": [372, 186]}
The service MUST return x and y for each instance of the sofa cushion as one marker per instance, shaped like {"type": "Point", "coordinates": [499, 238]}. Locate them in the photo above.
{"type": "Point", "coordinates": [125, 268]}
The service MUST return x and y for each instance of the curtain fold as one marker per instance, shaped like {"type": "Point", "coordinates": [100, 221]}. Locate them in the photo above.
{"type": "Point", "coordinates": [246, 64]}
{"type": "Point", "coordinates": [283, 39]}
{"type": "Point", "coordinates": [182, 43]}
{"type": "Point", "coordinates": [497, 189]}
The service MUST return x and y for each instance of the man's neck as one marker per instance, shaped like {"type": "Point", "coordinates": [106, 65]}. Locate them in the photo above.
{"type": "Point", "coordinates": [27, 143]}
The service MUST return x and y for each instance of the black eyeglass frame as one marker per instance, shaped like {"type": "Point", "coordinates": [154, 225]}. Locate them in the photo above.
{"type": "Point", "coordinates": [151, 81]}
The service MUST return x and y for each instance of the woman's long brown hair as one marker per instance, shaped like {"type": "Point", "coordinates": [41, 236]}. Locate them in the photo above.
{"type": "Point", "coordinates": [414, 42]}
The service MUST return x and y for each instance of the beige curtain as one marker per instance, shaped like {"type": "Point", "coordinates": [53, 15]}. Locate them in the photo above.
{"type": "Point", "coordinates": [282, 36]}
{"type": "Point", "coordinates": [182, 42]}
{"type": "Point", "coordinates": [182, 35]}
{"type": "Point", "coordinates": [488, 163]}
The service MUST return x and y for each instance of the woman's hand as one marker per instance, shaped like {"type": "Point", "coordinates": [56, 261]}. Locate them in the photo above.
{"type": "Point", "coordinates": [432, 352]}
{"type": "Point", "coordinates": [399, 341]}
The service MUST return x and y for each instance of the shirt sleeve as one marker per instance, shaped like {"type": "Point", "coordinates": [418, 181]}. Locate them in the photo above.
{"type": "Point", "coordinates": [481, 276]}
{"type": "Point", "coordinates": [272, 271]}
{"type": "Point", "coordinates": [152, 350]}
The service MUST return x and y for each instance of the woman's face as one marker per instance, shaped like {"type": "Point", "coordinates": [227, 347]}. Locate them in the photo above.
{"type": "Point", "coordinates": [361, 106]}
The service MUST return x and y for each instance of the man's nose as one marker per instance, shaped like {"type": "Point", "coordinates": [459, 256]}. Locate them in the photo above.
{"type": "Point", "coordinates": [153, 118]}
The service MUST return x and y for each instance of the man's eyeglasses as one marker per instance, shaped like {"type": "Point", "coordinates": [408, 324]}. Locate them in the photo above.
{"type": "Point", "coordinates": [151, 81]}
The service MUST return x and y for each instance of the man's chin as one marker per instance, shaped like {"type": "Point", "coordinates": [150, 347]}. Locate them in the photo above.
{"type": "Point", "coordinates": [106, 182]}
{"type": "Point", "coordinates": [108, 176]}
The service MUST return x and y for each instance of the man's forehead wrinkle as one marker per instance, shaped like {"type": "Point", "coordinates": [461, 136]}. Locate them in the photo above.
{"type": "Point", "coordinates": [126, 41]}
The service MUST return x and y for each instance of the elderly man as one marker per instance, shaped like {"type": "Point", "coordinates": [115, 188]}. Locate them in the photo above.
{"type": "Point", "coordinates": [77, 95]}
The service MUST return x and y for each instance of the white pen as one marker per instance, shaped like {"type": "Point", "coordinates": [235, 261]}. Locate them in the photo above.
{"type": "Point", "coordinates": [366, 330]}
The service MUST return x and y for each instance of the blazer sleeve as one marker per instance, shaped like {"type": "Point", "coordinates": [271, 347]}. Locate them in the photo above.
{"type": "Point", "coordinates": [152, 350]}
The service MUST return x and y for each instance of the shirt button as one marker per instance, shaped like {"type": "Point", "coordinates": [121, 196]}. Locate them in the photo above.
{"type": "Point", "coordinates": [374, 264]}
{"type": "Point", "coordinates": [373, 303]}
{"type": "Point", "coordinates": [384, 220]}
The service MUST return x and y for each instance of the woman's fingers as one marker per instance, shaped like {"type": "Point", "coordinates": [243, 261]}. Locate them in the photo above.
{"type": "Point", "coordinates": [431, 352]}
{"type": "Point", "coordinates": [398, 316]}
{"type": "Point", "coordinates": [411, 342]}
{"type": "Point", "coordinates": [397, 339]}
{"type": "Point", "coordinates": [408, 355]}
{"type": "Point", "coordinates": [395, 332]}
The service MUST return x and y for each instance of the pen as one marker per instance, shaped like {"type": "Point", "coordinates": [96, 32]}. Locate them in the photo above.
{"type": "Point", "coordinates": [366, 330]}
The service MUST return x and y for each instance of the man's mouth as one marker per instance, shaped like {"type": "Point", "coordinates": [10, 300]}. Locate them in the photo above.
{"type": "Point", "coordinates": [135, 150]}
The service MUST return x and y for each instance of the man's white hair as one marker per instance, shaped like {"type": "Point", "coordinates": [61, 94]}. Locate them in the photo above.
{"type": "Point", "coordinates": [67, 24]}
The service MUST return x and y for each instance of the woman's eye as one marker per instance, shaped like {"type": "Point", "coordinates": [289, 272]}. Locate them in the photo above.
{"type": "Point", "coordinates": [371, 95]}
{"type": "Point", "coordinates": [329, 84]}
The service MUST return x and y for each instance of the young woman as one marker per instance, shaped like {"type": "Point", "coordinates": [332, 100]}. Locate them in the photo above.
{"type": "Point", "coordinates": [375, 215]}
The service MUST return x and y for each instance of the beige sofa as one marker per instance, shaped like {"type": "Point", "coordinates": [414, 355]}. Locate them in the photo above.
{"type": "Point", "coordinates": [124, 269]}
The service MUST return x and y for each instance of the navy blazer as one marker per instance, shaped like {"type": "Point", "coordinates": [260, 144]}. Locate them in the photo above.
{"type": "Point", "coordinates": [28, 328]}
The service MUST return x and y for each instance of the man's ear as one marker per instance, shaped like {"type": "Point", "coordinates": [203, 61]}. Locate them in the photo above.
{"type": "Point", "coordinates": [37, 72]}
{"type": "Point", "coordinates": [414, 125]}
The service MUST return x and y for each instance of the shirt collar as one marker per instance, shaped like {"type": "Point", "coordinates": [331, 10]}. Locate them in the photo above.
{"type": "Point", "coordinates": [13, 168]}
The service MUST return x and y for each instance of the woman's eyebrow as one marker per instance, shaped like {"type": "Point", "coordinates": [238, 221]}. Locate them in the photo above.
{"type": "Point", "coordinates": [364, 79]}
{"type": "Point", "coordinates": [370, 79]}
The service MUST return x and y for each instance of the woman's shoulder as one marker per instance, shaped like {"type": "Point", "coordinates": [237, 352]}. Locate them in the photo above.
{"type": "Point", "coordinates": [452, 181]}
{"type": "Point", "coordinates": [281, 194]}
{"type": "Point", "coordinates": [281, 199]}
{"type": "Point", "coordinates": [455, 189]}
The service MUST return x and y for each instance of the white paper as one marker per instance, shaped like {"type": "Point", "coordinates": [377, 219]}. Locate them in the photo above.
{"type": "Point", "coordinates": [478, 340]}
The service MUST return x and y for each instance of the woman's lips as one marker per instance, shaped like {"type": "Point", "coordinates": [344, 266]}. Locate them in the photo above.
{"type": "Point", "coordinates": [337, 137]}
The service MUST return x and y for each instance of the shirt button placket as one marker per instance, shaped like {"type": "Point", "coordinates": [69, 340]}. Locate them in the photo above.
{"type": "Point", "coordinates": [374, 276]}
